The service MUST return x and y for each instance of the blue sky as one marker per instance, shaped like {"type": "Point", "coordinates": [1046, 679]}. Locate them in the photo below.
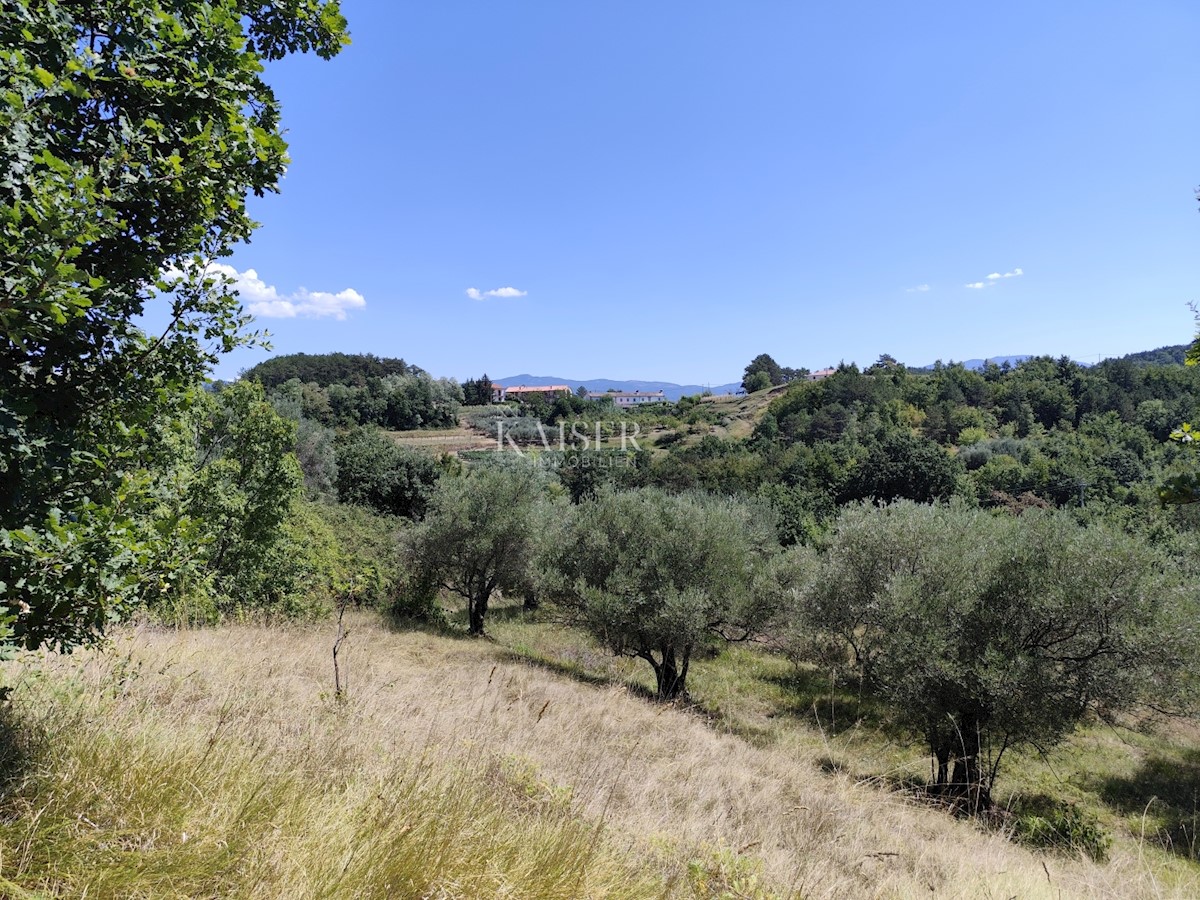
{"type": "Point", "coordinates": [675, 187]}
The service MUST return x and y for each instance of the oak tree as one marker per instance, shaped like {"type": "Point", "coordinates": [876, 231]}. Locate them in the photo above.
{"type": "Point", "coordinates": [131, 133]}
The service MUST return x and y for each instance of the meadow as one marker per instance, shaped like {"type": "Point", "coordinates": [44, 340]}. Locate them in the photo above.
{"type": "Point", "coordinates": [219, 762]}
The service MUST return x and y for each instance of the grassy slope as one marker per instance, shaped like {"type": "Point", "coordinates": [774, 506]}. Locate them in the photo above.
{"type": "Point", "coordinates": [443, 440]}
{"type": "Point", "coordinates": [216, 763]}
{"type": "Point", "coordinates": [1141, 782]}
{"type": "Point", "coordinates": [742, 412]}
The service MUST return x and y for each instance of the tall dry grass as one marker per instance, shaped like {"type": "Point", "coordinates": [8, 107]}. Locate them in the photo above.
{"type": "Point", "coordinates": [218, 763]}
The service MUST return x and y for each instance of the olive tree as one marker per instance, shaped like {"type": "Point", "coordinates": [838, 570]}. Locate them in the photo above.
{"type": "Point", "coordinates": [654, 576]}
{"type": "Point", "coordinates": [478, 536]}
{"type": "Point", "coordinates": [984, 631]}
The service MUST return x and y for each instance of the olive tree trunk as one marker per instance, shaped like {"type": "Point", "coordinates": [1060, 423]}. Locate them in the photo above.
{"type": "Point", "coordinates": [967, 782]}
{"type": "Point", "coordinates": [476, 610]}
{"type": "Point", "coordinates": [670, 671]}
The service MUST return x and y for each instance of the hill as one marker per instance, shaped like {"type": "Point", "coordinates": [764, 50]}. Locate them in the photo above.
{"type": "Point", "coordinates": [976, 364]}
{"type": "Point", "coordinates": [1163, 356]}
{"type": "Point", "coordinates": [354, 369]}
{"type": "Point", "coordinates": [600, 385]}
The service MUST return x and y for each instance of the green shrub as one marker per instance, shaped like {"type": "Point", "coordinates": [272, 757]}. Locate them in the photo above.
{"type": "Point", "coordinates": [374, 471]}
{"type": "Point", "coordinates": [414, 598]}
{"type": "Point", "coordinates": [349, 552]}
{"type": "Point", "coordinates": [1051, 824]}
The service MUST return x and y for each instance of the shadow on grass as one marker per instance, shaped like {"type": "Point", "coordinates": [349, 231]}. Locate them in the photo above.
{"type": "Point", "coordinates": [1165, 791]}
{"type": "Point", "coordinates": [575, 671]}
{"type": "Point", "coordinates": [446, 627]}
{"type": "Point", "coordinates": [917, 788]}
{"type": "Point", "coordinates": [514, 613]}
{"type": "Point", "coordinates": [454, 622]}
{"type": "Point", "coordinates": [570, 669]}
{"type": "Point", "coordinates": [18, 749]}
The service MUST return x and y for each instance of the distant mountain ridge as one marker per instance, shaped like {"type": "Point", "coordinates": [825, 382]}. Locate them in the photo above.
{"type": "Point", "coordinates": [671, 390]}
{"type": "Point", "coordinates": [976, 364]}
{"type": "Point", "coordinates": [995, 360]}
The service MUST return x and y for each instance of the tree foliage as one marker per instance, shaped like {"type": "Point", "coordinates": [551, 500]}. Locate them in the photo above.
{"type": "Point", "coordinates": [1183, 488]}
{"type": "Point", "coordinates": [756, 381]}
{"type": "Point", "coordinates": [245, 479]}
{"type": "Point", "coordinates": [399, 402]}
{"type": "Point", "coordinates": [375, 471]}
{"type": "Point", "coordinates": [905, 466]}
{"type": "Point", "coordinates": [324, 369]}
{"type": "Point", "coordinates": [130, 135]}
{"type": "Point", "coordinates": [477, 391]}
{"type": "Point", "coordinates": [763, 364]}
{"type": "Point", "coordinates": [985, 632]}
{"type": "Point", "coordinates": [478, 536]}
{"type": "Point", "coordinates": [656, 576]}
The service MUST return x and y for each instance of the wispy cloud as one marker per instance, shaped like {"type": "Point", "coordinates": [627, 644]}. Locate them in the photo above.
{"type": "Point", "coordinates": [265, 300]}
{"type": "Point", "coordinates": [919, 289]}
{"type": "Point", "coordinates": [1013, 274]}
{"type": "Point", "coordinates": [476, 294]}
{"type": "Point", "coordinates": [993, 279]}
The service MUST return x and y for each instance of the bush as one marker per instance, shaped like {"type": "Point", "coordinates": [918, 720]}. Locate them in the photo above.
{"type": "Point", "coordinates": [1057, 825]}
{"type": "Point", "coordinates": [416, 600]}
{"type": "Point", "coordinates": [242, 489]}
{"type": "Point", "coordinates": [757, 381]}
{"type": "Point", "coordinates": [375, 471]}
{"type": "Point", "coordinates": [902, 466]}
{"type": "Point", "coordinates": [351, 554]}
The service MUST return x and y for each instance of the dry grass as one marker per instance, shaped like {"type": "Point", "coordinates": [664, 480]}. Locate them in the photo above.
{"type": "Point", "coordinates": [443, 440]}
{"type": "Point", "coordinates": [453, 770]}
{"type": "Point", "coordinates": [736, 416]}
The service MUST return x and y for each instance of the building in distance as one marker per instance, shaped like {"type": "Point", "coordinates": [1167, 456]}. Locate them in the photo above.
{"type": "Point", "coordinates": [631, 398]}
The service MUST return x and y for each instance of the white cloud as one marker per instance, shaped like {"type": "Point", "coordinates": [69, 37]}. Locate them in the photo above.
{"type": "Point", "coordinates": [1013, 274]}
{"type": "Point", "coordinates": [993, 279]}
{"type": "Point", "coordinates": [476, 294]}
{"type": "Point", "coordinates": [262, 299]}
{"type": "Point", "coordinates": [919, 289]}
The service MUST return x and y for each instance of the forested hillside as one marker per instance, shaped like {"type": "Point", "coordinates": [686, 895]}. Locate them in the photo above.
{"type": "Point", "coordinates": [1163, 356]}
{"type": "Point", "coordinates": [343, 390]}
{"type": "Point", "coordinates": [1048, 432]}
{"type": "Point", "coordinates": [324, 369]}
